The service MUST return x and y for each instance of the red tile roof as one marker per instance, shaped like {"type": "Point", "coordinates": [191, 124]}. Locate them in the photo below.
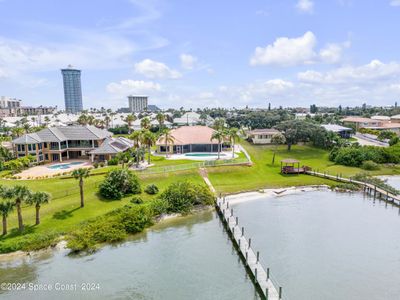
{"type": "Point", "coordinates": [186, 135]}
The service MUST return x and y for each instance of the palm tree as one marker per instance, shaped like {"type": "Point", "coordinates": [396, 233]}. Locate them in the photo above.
{"type": "Point", "coordinates": [123, 157]}
{"type": "Point", "coordinates": [137, 137]}
{"type": "Point", "coordinates": [219, 135]}
{"type": "Point", "coordinates": [17, 131]}
{"type": "Point", "coordinates": [6, 205]}
{"type": "Point", "coordinates": [38, 198]}
{"type": "Point", "coordinates": [168, 138]}
{"type": "Point", "coordinates": [107, 121]}
{"type": "Point", "coordinates": [149, 139]}
{"type": "Point", "coordinates": [21, 194]}
{"type": "Point", "coordinates": [160, 117]}
{"type": "Point", "coordinates": [145, 123]}
{"type": "Point", "coordinates": [46, 120]}
{"type": "Point", "coordinates": [80, 174]}
{"type": "Point", "coordinates": [129, 119]}
{"type": "Point", "coordinates": [233, 135]}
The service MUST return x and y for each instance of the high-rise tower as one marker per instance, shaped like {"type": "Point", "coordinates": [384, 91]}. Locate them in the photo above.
{"type": "Point", "coordinates": [72, 89]}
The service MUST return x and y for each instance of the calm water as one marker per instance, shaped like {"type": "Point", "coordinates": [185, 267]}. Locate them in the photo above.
{"type": "Point", "coordinates": [326, 245]}
{"type": "Point", "coordinates": [188, 258]}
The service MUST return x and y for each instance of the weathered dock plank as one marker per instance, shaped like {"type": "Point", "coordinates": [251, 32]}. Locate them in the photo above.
{"type": "Point", "coordinates": [260, 274]}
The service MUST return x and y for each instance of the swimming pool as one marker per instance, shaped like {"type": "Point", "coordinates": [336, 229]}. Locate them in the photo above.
{"type": "Point", "coordinates": [205, 154]}
{"type": "Point", "coordinates": [64, 166]}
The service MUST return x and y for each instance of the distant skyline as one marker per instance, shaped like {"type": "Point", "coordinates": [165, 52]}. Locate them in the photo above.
{"type": "Point", "coordinates": [203, 53]}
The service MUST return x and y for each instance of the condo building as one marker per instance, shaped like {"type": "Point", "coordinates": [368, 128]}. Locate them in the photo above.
{"type": "Point", "coordinates": [138, 103]}
{"type": "Point", "coordinates": [72, 89]}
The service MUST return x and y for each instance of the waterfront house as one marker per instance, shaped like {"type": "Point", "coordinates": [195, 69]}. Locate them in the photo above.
{"type": "Point", "coordinates": [60, 143]}
{"type": "Point", "coordinates": [110, 147]}
{"type": "Point", "coordinates": [189, 139]}
{"type": "Point", "coordinates": [261, 136]}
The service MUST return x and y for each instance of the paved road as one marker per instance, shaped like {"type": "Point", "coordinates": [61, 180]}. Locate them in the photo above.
{"type": "Point", "coordinates": [366, 141]}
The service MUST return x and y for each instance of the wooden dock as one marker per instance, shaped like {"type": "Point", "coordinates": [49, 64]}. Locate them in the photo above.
{"type": "Point", "coordinates": [261, 276]}
{"type": "Point", "coordinates": [368, 188]}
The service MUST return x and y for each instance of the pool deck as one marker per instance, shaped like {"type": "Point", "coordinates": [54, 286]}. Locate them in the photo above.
{"type": "Point", "coordinates": [44, 170]}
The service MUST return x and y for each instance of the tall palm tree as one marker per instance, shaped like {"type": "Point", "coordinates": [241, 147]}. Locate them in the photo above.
{"type": "Point", "coordinates": [80, 174]}
{"type": "Point", "coordinates": [129, 119]}
{"type": "Point", "coordinates": [149, 139]}
{"type": "Point", "coordinates": [233, 136]}
{"type": "Point", "coordinates": [160, 117]}
{"type": "Point", "coordinates": [168, 139]}
{"type": "Point", "coordinates": [145, 123]}
{"type": "Point", "coordinates": [17, 131]}
{"type": "Point", "coordinates": [6, 205]}
{"type": "Point", "coordinates": [37, 199]}
{"type": "Point", "coordinates": [21, 194]}
{"type": "Point", "coordinates": [137, 137]}
{"type": "Point", "coordinates": [107, 121]}
{"type": "Point", "coordinates": [219, 135]}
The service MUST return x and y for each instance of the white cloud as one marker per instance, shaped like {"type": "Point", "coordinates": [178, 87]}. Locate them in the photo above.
{"type": "Point", "coordinates": [332, 53]}
{"type": "Point", "coordinates": [188, 61]}
{"type": "Point", "coordinates": [286, 51]}
{"type": "Point", "coordinates": [395, 3]}
{"type": "Point", "coordinates": [154, 69]}
{"type": "Point", "coordinates": [305, 6]}
{"type": "Point", "coordinates": [127, 87]}
{"type": "Point", "coordinates": [297, 51]}
{"type": "Point", "coordinates": [373, 71]}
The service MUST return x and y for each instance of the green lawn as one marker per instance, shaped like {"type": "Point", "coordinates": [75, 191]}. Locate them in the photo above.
{"type": "Point", "coordinates": [64, 214]}
{"type": "Point", "coordinates": [265, 175]}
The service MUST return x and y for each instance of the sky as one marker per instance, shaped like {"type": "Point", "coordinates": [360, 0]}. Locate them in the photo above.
{"type": "Point", "coordinates": [181, 53]}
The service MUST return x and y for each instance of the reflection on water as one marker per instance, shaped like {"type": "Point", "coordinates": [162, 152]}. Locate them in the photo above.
{"type": "Point", "coordinates": [183, 258]}
{"type": "Point", "coordinates": [326, 245]}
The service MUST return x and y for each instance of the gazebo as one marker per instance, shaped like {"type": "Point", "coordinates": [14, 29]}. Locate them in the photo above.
{"type": "Point", "coordinates": [288, 166]}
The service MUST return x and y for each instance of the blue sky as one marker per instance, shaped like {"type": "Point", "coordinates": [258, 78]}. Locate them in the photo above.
{"type": "Point", "coordinates": [203, 53]}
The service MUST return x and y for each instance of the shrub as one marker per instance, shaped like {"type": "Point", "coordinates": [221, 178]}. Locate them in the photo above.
{"type": "Point", "coordinates": [347, 186]}
{"type": "Point", "coordinates": [110, 228]}
{"type": "Point", "coordinates": [151, 189]}
{"type": "Point", "coordinates": [135, 219]}
{"type": "Point", "coordinates": [394, 140]}
{"type": "Point", "coordinates": [95, 165]}
{"type": "Point", "coordinates": [182, 196]}
{"type": "Point", "coordinates": [112, 162]}
{"type": "Point", "coordinates": [99, 230]}
{"type": "Point", "coordinates": [136, 200]}
{"type": "Point", "coordinates": [119, 183]}
{"type": "Point", "coordinates": [369, 165]}
{"type": "Point", "coordinates": [101, 164]}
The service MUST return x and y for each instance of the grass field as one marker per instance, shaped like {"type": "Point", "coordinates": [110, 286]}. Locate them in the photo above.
{"type": "Point", "coordinates": [265, 175]}
{"type": "Point", "coordinates": [64, 214]}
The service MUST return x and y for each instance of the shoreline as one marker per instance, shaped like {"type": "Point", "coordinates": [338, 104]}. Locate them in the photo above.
{"type": "Point", "coordinates": [274, 192]}
{"type": "Point", "coordinates": [235, 198]}
{"type": "Point", "coordinates": [62, 243]}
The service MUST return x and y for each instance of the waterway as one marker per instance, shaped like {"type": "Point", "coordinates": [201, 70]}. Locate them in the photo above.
{"type": "Point", "coordinates": [327, 245]}
{"type": "Point", "coordinates": [184, 258]}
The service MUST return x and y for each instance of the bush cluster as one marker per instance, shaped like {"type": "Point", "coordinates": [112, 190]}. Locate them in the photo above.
{"type": "Point", "coordinates": [355, 156]}
{"type": "Point", "coordinates": [180, 197]}
{"type": "Point", "coordinates": [119, 183]}
{"type": "Point", "coordinates": [369, 165]}
{"type": "Point", "coordinates": [151, 189]}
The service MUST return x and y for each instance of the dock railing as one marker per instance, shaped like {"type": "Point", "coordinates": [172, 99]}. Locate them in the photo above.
{"type": "Point", "coordinates": [268, 287]}
{"type": "Point", "coordinates": [369, 188]}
